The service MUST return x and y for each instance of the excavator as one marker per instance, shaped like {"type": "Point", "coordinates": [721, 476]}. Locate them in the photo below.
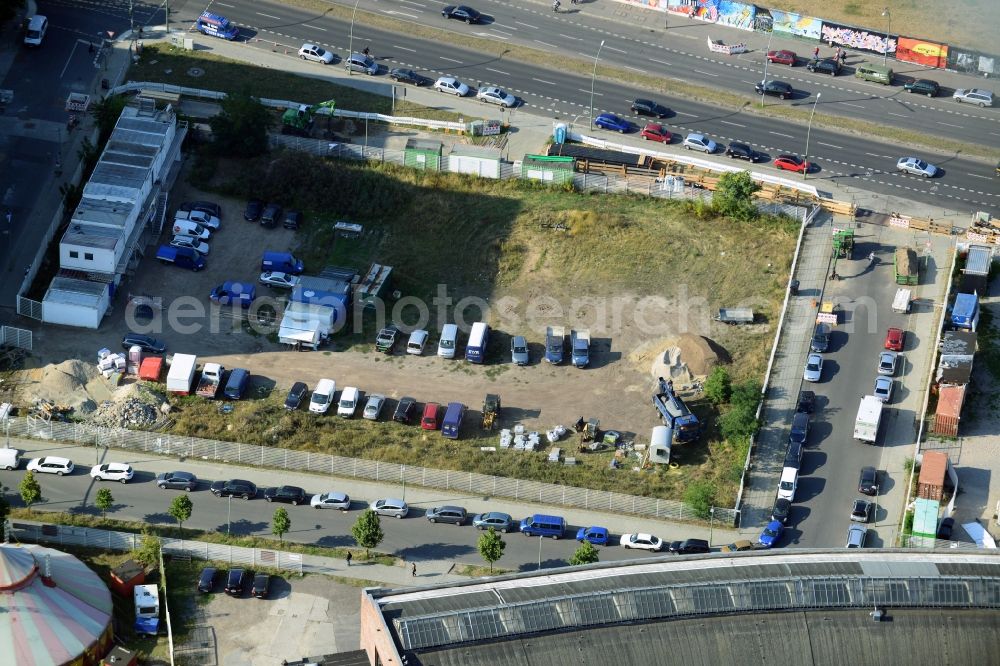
{"type": "Point", "coordinates": [299, 121]}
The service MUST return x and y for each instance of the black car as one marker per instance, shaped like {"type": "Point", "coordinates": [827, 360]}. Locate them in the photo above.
{"type": "Point", "coordinates": [177, 480]}
{"type": "Point", "coordinates": [868, 482]}
{"type": "Point", "coordinates": [293, 220]}
{"type": "Point", "coordinates": [782, 507]}
{"type": "Point", "coordinates": [821, 338]}
{"type": "Point", "coordinates": [252, 212]}
{"type": "Point", "coordinates": [207, 207]}
{"type": "Point", "coordinates": [261, 583]}
{"type": "Point", "coordinates": [271, 215]}
{"type": "Point", "coordinates": [462, 13]}
{"type": "Point", "coordinates": [923, 87]}
{"type": "Point", "coordinates": [288, 494]}
{"type": "Point", "coordinates": [793, 455]}
{"type": "Point", "coordinates": [206, 581]}
{"type": "Point", "coordinates": [945, 529]}
{"type": "Point", "coordinates": [800, 428]}
{"type": "Point", "coordinates": [742, 151]}
{"type": "Point", "coordinates": [688, 546]}
{"type": "Point", "coordinates": [236, 581]}
{"type": "Point", "coordinates": [145, 342]}
{"type": "Point", "coordinates": [778, 89]}
{"type": "Point", "coordinates": [295, 395]}
{"type": "Point", "coordinates": [829, 66]}
{"type": "Point", "coordinates": [861, 511]}
{"type": "Point", "coordinates": [807, 402]}
{"type": "Point", "coordinates": [647, 107]}
{"type": "Point", "coordinates": [404, 410]}
{"type": "Point", "coordinates": [401, 75]}
{"type": "Point", "coordinates": [234, 488]}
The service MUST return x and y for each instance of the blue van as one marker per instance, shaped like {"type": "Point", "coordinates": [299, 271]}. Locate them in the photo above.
{"type": "Point", "coordinates": [184, 257]}
{"type": "Point", "coordinates": [237, 384]}
{"type": "Point", "coordinates": [453, 420]}
{"type": "Point", "coordinates": [541, 525]}
{"type": "Point", "coordinates": [281, 262]}
{"type": "Point", "coordinates": [231, 292]}
{"type": "Point", "coordinates": [216, 25]}
{"type": "Point", "coordinates": [479, 337]}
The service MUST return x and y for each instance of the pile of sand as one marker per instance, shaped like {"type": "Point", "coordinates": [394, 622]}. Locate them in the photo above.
{"type": "Point", "coordinates": [686, 358]}
{"type": "Point", "coordinates": [71, 383]}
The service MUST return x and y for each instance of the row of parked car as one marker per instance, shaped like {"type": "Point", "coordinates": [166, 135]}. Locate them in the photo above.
{"type": "Point", "coordinates": [236, 582]}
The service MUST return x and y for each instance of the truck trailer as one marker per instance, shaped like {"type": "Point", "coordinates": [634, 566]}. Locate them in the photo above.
{"type": "Point", "coordinates": [675, 414]}
{"type": "Point", "coordinates": [180, 377]}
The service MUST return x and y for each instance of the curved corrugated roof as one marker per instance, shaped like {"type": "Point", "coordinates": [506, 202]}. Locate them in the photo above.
{"type": "Point", "coordinates": [49, 620]}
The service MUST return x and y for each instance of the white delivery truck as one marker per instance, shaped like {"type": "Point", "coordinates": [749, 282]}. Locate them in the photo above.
{"type": "Point", "coordinates": [180, 377]}
{"type": "Point", "coordinates": [869, 417]}
{"type": "Point", "coordinates": [901, 302]}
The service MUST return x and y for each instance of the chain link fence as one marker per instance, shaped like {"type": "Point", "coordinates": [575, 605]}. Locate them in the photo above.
{"type": "Point", "coordinates": [372, 470]}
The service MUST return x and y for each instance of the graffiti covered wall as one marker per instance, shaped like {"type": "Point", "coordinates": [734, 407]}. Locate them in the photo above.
{"type": "Point", "coordinates": [971, 62]}
{"type": "Point", "coordinates": [706, 10]}
{"type": "Point", "coordinates": [921, 52]}
{"type": "Point", "coordinates": [856, 38]}
{"type": "Point", "coordinates": [796, 24]}
{"type": "Point", "coordinates": [736, 14]}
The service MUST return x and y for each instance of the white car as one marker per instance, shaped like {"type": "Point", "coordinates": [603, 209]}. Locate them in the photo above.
{"type": "Point", "coordinates": [415, 345]}
{"type": "Point", "coordinates": [315, 53]}
{"type": "Point", "coordinates": [883, 388]}
{"type": "Point", "coordinates": [974, 96]}
{"type": "Point", "coordinates": [112, 472]}
{"type": "Point", "coordinates": [322, 396]}
{"type": "Point", "coordinates": [887, 363]}
{"type": "Point", "coordinates": [51, 465]}
{"type": "Point", "coordinates": [641, 541]}
{"type": "Point", "coordinates": [449, 84]}
{"type": "Point", "coordinates": [331, 500]}
{"type": "Point", "coordinates": [495, 95]}
{"type": "Point", "coordinates": [276, 279]}
{"type": "Point", "coordinates": [814, 368]}
{"type": "Point", "coordinates": [373, 407]}
{"type": "Point", "coordinates": [699, 142]}
{"type": "Point", "coordinates": [191, 242]}
{"type": "Point", "coordinates": [200, 217]}
{"type": "Point", "coordinates": [916, 167]}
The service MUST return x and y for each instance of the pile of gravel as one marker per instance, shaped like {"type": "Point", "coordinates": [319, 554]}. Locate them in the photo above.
{"type": "Point", "coordinates": [128, 413]}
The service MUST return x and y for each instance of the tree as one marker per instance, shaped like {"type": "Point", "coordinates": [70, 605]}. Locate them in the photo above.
{"type": "Point", "coordinates": [491, 546]}
{"type": "Point", "coordinates": [367, 530]}
{"type": "Point", "coordinates": [718, 386]}
{"type": "Point", "coordinates": [700, 496]}
{"type": "Point", "coordinates": [281, 523]}
{"type": "Point", "coordinates": [181, 508]}
{"type": "Point", "coordinates": [148, 552]}
{"type": "Point", "coordinates": [733, 196]}
{"type": "Point", "coordinates": [31, 492]}
{"type": "Point", "coordinates": [106, 113]}
{"type": "Point", "coordinates": [4, 512]}
{"type": "Point", "coordinates": [240, 129]}
{"type": "Point", "coordinates": [585, 554]}
{"type": "Point", "coordinates": [104, 501]}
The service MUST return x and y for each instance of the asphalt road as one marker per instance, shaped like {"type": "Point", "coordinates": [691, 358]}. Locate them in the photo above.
{"type": "Point", "coordinates": [839, 156]}
{"type": "Point", "coordinates": [412, 538]}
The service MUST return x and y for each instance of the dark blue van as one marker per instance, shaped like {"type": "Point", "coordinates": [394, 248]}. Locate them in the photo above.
{"type": "Point", "coordinates": [452, 422]}
{"type": "Point", "coordinates": [281, 262]}
{"type": "Point", "coordinates": [184, 257]}
{"type": "Point", "coordinates": [216, 25]}
{"type": "Point", "coordinates": [237, 384]}
{"type": "Point", "coordinates": [542, 525]}
{"type": "Point", "coordinates": [232, 292]}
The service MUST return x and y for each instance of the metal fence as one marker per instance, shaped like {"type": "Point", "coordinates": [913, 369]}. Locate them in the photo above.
{"type": "Point", "coordinates": [373, 470]}
{"type": "Point", "coordinates": [15, 337]}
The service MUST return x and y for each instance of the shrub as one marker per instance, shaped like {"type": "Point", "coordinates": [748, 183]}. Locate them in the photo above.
{"type": "Point", "coordinates": [700, 496]}
{"type": "Point", "coordinates": [718, 386]}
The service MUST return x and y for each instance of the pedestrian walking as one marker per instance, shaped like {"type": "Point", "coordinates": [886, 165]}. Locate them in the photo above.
{"type": "Point", "coordinates": [837, 57]}
{"type": "Point", "coordinates": [413, 570]}
{"type": "Point", "coordinates": [349, 558]}
{"type": "Point", "coordinates": [816, 52]}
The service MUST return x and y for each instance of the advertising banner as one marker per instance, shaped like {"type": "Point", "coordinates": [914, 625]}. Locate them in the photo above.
{"type": "Point", "coordinates": [857, 38]}
{"type": "Point", "coordinates": [922, 52]}
{"type": "Point", "coordinates": [736, 14]}
{"type": "Point", "coordinates": [796, 24]}
{"type": "Point", "coordinates": [971, 62]}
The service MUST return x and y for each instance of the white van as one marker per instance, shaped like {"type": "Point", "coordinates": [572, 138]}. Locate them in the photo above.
{"type": "Point", "coordinates": [38, 25]}
{"type": "Point", "coordinates": [189, 228]}
{"type": "Point", "coordinates": [322, 396]}
{"type": "Point", "coordinates": [9, 458]}
{"type": "Point", "coordinates": [348, 402]}
{"type": "Point", "coordinates": [415, 345]}
{"type": "Point", "coordinates": [789, 482]}
{"type": "Point", "coordinates": [449, 337]}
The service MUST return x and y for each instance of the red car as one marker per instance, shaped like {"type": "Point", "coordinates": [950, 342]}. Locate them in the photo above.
{"type": "Point", "coordinates": [430, 419]}
{"type": "Point", "coordinates": [894, 339]}
{"type": "Point", "coordinates": [782, 57]}
{"type": "Point", "coordinates": [791, 163]}
{"type": "Point", "coordinates": [656, 132]}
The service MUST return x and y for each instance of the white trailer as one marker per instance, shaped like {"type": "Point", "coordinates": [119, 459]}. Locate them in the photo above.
{"type": "Point", "coordinates": [869, 417]}
{"type": "Point", "coordinates": [180, 377]}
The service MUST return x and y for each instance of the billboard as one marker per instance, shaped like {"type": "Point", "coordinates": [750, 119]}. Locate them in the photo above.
{"type": "Point", "coordinates": [971, 62]}
{"type": "Point", "coordinates": [921, 52]}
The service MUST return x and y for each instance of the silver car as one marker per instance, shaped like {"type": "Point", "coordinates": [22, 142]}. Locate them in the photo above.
{"type": "Point", "coordinates": [331, 500]}
{"type": "Point", "coordinates": [373, 407]}
{"type": "Point", "coordinates": [974, 96]}
{"type": "Point", "coordinates": [495, 95]}
{"type": "Point", "coordinates": [519, 350]}
{"type": "Point", "coordinates": [201, 247]}
{"type": "Point", "coordinates": [916, 167]}
{"type": "Point", "coordinates": [887, 363]}
{"type": "Point", "coordinates": [814, 368]}
{"type": "Point", "coordinates": [883, 388]}
{"type": "Point", "coordinates": [315, 53]}
{"type": "Point", "coordinates": [449, 84]}
{"type": "Point", "coordinates": [501, 522]}
{"type": "Point", "coordinates": [856, 536]}
{"type": "Point", "coordinates": [394, 508]}
{"type": "Point", "coordinates": [359, 62]}
{"type": "Point", "coordinates": [699, 142]}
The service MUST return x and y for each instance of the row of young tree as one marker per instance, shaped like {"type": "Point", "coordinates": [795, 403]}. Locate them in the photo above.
{"type": "Point", "coordinates": [367, 529]}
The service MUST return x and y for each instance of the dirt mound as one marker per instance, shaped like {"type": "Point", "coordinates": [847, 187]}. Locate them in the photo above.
{"type": "Point", "coordinates": [71, 383]}
{"type": "Point", "coordinates": [683, 358]}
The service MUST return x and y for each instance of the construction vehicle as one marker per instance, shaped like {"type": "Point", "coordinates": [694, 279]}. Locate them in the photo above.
{"type": "Point", "coordinates": [299, 121]}
{"type": "Point", "coordinates": [843, 243]}
{"type": "Point", "coordinates": [906, 266]}
{"type": "Point", "coordinates": [491, 411]}
{"type": "Point", "coordinates": [675, 414]}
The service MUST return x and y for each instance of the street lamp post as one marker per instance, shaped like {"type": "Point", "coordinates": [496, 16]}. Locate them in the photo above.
{"type": "Point", "coordinates": [402, 475]}
{"type": "Point", "coordinates": [539, 552]}
{"type": "Point", "coordinates": [711, 524]}
{"type": "Point", "coordinates": [350, 45]}
{"type": "Point", "coordinates": [808, 132]}
{"type": "Point", "coordinates": [766, 62]}
{"type": "Point", "coordinates": [888, 26]}
{"type": "Point", "coordinates": [593, 77]}
{"type": "Point", "coordinates": [229, 516]}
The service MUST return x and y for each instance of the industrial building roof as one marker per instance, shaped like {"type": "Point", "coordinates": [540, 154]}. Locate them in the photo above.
{"type": "Point", "coordinates": [979, 260]}
{"type": "Point", "coordinates": [958, 343]}
{"type": "Point", "coordinates": [101, 211]}
{"type": "Point", "coordinates": [83, 234]}
{"type": "Point", "coordinates": [72, 291]}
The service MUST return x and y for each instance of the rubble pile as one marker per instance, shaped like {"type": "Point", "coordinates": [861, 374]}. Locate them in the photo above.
{"type": "Point", "coordinates": [131, 412]}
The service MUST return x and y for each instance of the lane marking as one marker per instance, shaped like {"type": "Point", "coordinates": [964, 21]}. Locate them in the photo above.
{"type": "Point", "coordinates": [527, 25]}
{"type": "Point", "coordinates": [948, 124]}
{"type": "Point", "coordinates": [698, 71]}
{"type": "Point", "coordinates": [787, 136]}
{"type": "Point", "coordinates": [497, 71]}
{"type": "Point", "coordinates": [569, 37]}
{"type": "Point", "coordinates": [857, 106]}
{"type": "Point", "coordinates": [451, 60]}
{"type": "Point", "coordinates": [315, 27]}
{"type": "Point", "coordinates": [830, 145]}
{"type": "Point", "coordinates": [276, 18]}
{"type": "Point", "coordinates": [611, 48]}
{"type": "Point", "coordinates": [403, 48]}
{"type": "Point", "coordinates": [726, 122]}
{"type": "Point", "coordinates": [662, 62]}
{"type": "Point", "coordinates": [548, 83]}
